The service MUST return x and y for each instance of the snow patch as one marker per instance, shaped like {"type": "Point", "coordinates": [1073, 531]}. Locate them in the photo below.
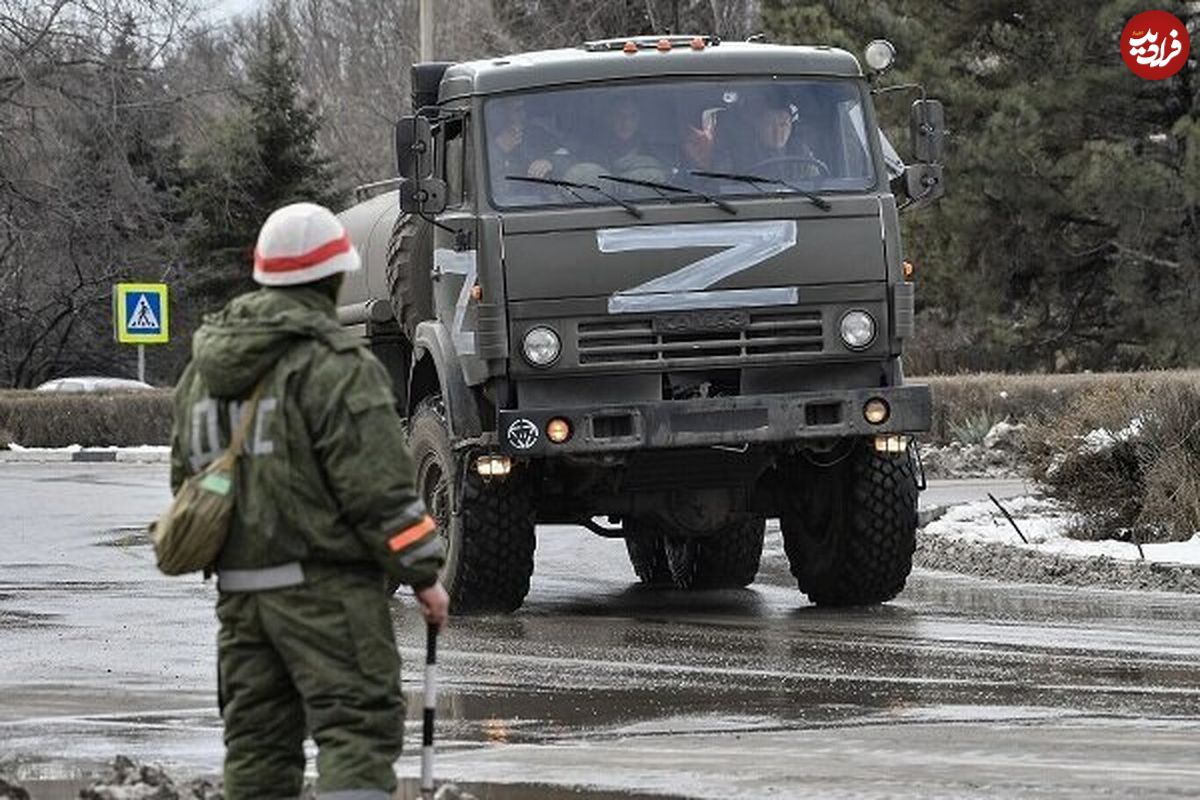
{"type": "Point", "coordinates": [141, 454]}
{"type": "Point", "coordinates": [1102, 439]}
{"type": "Point", "coordinates": [1044, 522]}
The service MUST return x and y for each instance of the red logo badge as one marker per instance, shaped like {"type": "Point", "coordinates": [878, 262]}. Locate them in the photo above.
{"type": "Point", "coordinates": [1155, 45]}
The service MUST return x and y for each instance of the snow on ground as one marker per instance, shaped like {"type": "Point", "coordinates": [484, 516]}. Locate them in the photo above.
{"type": "Point", "coordinates": [1044, 523]}
{"type": "Point", "coordinates": [75, 448]}
{"type": "Point", "coordinates": [144, 454]}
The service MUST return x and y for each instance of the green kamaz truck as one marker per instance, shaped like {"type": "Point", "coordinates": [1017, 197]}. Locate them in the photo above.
{"type": "Point", "coordinates": [654, 287]}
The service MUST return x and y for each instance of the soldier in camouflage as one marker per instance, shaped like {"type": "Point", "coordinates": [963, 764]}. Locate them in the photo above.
{"type": "Point", "coordinates": [326, 519]}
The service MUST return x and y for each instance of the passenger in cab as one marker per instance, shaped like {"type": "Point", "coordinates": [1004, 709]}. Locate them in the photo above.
{"type": "Point", "coordinates": [512, 152]}
{"type": "Point", "coordinates": [621, 149]}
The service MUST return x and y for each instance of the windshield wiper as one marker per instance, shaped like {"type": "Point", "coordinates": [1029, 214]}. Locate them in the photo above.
{"type": "Point", "coordinates": [670, 187]}
{"type": "Point", "coordinates": [571, 186]}
{"type": "Point", "coordinates": [753, 180]}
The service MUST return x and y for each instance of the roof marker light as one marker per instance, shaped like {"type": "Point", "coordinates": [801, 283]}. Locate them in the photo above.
{"type": "Point", "coordinates": [697, 43]}
{"type": "Point", "coordinates": [664, 45]}
{"type": "Point", "coordinates": [630, 47]}
{"type": "Point", "coordinates": [880, 55]}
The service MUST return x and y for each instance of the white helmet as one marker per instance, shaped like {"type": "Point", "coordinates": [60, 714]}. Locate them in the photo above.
{"type": "Point", "coordinates": [302, 243]}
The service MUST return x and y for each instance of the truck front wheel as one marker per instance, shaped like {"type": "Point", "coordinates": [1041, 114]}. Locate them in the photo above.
{"type": "Point", "coordinates": [850, 529]}
{"type": "Point", "coordinates": [488, 526]}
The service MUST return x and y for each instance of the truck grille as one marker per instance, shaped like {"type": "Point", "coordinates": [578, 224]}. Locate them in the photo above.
{"type": "Point", "coordinates": [767, 336]}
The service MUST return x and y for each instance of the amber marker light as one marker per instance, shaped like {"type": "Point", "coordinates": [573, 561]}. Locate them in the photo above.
{"type": "Point", "coordinates": [876, 411]}
{"type": "Point", "coordinates": [558, 430]}
{"type": "Point", "coordinates": [909, 269]}
{"type": "Point", "coordinates": [477, 292]}
{"type": "Point", "coordinates": [664, 45]}
{"type": "Point", "coordinates": [630, 48]}
{"type": "Point", "coordinates": [697, 43]}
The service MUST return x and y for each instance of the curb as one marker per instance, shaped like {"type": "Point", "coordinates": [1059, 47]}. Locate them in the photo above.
{"type": "Point", "coordinates": [931, 514]}
{"type": "Point", "coordinates": [1011, 564]}
{"type": "Point", "coordinates": [84, 456]}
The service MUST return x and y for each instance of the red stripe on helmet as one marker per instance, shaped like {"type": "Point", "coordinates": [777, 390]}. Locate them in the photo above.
{"type": "Point", "coordinates": [304, 260]}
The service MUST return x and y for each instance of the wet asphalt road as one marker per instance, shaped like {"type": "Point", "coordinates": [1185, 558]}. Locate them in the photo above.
{"type": "Point", "coordinates": [960, 688]}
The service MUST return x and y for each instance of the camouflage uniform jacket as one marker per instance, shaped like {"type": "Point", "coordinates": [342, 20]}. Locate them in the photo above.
{"type": "Point", "coordinates": [325, 476]}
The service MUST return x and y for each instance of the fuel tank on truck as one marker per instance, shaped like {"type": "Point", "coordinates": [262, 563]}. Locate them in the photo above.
{"type": "Point", "coordinates": [369, 225]}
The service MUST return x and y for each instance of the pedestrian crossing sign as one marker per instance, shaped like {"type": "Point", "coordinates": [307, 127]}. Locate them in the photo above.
{"type": "Point", "coordinates": [140, 313]}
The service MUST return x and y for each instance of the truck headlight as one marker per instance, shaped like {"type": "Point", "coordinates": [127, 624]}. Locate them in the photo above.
{"type": "Point", "coordinates": [857, 329]}
{"type": "Point", "coordinates": [541, 347]}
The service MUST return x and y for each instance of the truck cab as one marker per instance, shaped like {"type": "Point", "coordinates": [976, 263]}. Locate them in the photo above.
{"type": "Point", "coordinates": [654, 287]}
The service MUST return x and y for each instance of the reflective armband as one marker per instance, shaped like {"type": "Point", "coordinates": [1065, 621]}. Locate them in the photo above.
{"type": "Point", "coordinates": [412, 534]}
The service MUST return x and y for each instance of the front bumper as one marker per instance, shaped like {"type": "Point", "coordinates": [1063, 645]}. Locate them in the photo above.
{"type": "Point", "coordinates": [714, 421]}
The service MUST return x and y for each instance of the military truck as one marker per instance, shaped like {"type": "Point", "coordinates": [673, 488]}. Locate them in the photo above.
{"type": "Point", "coordinates": [654, 287]}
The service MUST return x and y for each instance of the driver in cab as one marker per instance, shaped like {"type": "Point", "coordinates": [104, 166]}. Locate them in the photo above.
{"type": "Point", "coordinates": [774, 150]}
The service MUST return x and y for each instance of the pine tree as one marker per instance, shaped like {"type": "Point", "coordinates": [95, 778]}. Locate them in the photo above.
{"type": "Point", "coordinates": [262, 156]}
{"type": "Point", "coordinates": [286, 127]}
{"type": "Point", "coordinates": [1069, 236]}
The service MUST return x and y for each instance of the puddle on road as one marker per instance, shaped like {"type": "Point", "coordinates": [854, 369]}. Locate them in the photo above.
{"type": "Point", "coordinates": [59, 788]}
{"type": "Point", "coordinates": [69, 790]}
{"type": "Point", "coordinates": [124, 536]}
{"type": "Point", "coordinates": [533, 791]}
{"type": "Point", "coordinates": [17, 618]}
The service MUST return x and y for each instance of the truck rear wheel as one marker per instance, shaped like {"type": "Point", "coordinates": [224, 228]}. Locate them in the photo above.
{"type": "Point", "coordinates": [409, 272]}
{"type": "Point", "coordinates": [648, 556]}
{"type": "Point", "coordinates": [728, 559]}
{"type": "Point", "coordinates": [851, 531]}
{"type": "Point", "coordinates": [488, 527]}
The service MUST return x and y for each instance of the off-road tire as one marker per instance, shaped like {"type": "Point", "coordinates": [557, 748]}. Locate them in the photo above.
{"type": "Point", "coordinates": [409, 272]}
{"type": "Point", "coordinates": [489, 529]}
{"type": "Point", "coordinates": [728, 559]}
{"type": "Point", "coordinates": [648, 557]}
{"type": "Point", "coordinates": [851, 529]}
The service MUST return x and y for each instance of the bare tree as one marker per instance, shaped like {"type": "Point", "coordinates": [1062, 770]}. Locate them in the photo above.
{"type": "Point", "coordinates": [85, 174]}
{"type": "Point", "coordinates": [355, 59]}
{"type": "Point", "coordinates": [564, 23]}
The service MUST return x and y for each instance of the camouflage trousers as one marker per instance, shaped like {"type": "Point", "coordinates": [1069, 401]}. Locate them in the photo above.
{"type": "Point", "coordinates": [317, 659]}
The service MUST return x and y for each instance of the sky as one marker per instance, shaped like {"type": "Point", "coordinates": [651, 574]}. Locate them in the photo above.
{"type": "Point", "coordinates": [221, 10]}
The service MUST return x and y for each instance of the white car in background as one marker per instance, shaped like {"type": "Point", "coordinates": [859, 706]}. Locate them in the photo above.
{"type": "Point", "coordinates": [93, 383]}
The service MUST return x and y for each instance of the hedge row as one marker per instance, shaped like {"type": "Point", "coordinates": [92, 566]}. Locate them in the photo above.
{"type": "Point", "coordinates": [964, 407]}
{"type": "Point", "coordinates": [53, 419]}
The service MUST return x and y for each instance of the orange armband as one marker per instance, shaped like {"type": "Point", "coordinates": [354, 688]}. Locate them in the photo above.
{"type": "Point", "coordinates": [411, 534]}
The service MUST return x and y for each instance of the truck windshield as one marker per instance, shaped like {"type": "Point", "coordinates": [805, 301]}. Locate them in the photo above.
{"type": "Point", "coordinates": [807, 133]}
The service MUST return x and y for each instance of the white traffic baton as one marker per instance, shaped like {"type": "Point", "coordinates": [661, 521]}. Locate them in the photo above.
{"type": "Point", "coordinates": [431, 633]}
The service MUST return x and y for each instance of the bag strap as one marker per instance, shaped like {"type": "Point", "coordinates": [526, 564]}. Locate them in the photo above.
{"type": "Point", "coordinates": [249, 412]}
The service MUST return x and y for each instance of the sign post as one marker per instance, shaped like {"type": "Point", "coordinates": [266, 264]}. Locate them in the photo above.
{"type": "Point", "coordinates": [140, 316]}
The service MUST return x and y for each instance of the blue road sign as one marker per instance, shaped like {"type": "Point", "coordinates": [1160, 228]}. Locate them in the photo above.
{"type": "Point", "coordinates": [141, 313]}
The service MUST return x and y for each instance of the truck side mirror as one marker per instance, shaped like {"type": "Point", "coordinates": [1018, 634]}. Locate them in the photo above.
{"type": "Point", "coordinates": [422, 196]}
{"type": "Point", "coordinates": [420, 191]}
{"type": "Point", "coordinates": [414, 147]}
{"type": "Point", "coordinates": [923, 184]}
{"type": "Point", "coordinates": [928, 123]}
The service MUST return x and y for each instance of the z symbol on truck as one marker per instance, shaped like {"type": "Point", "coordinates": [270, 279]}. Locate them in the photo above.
{"type": "Point", "coordinates": [746, 245]}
